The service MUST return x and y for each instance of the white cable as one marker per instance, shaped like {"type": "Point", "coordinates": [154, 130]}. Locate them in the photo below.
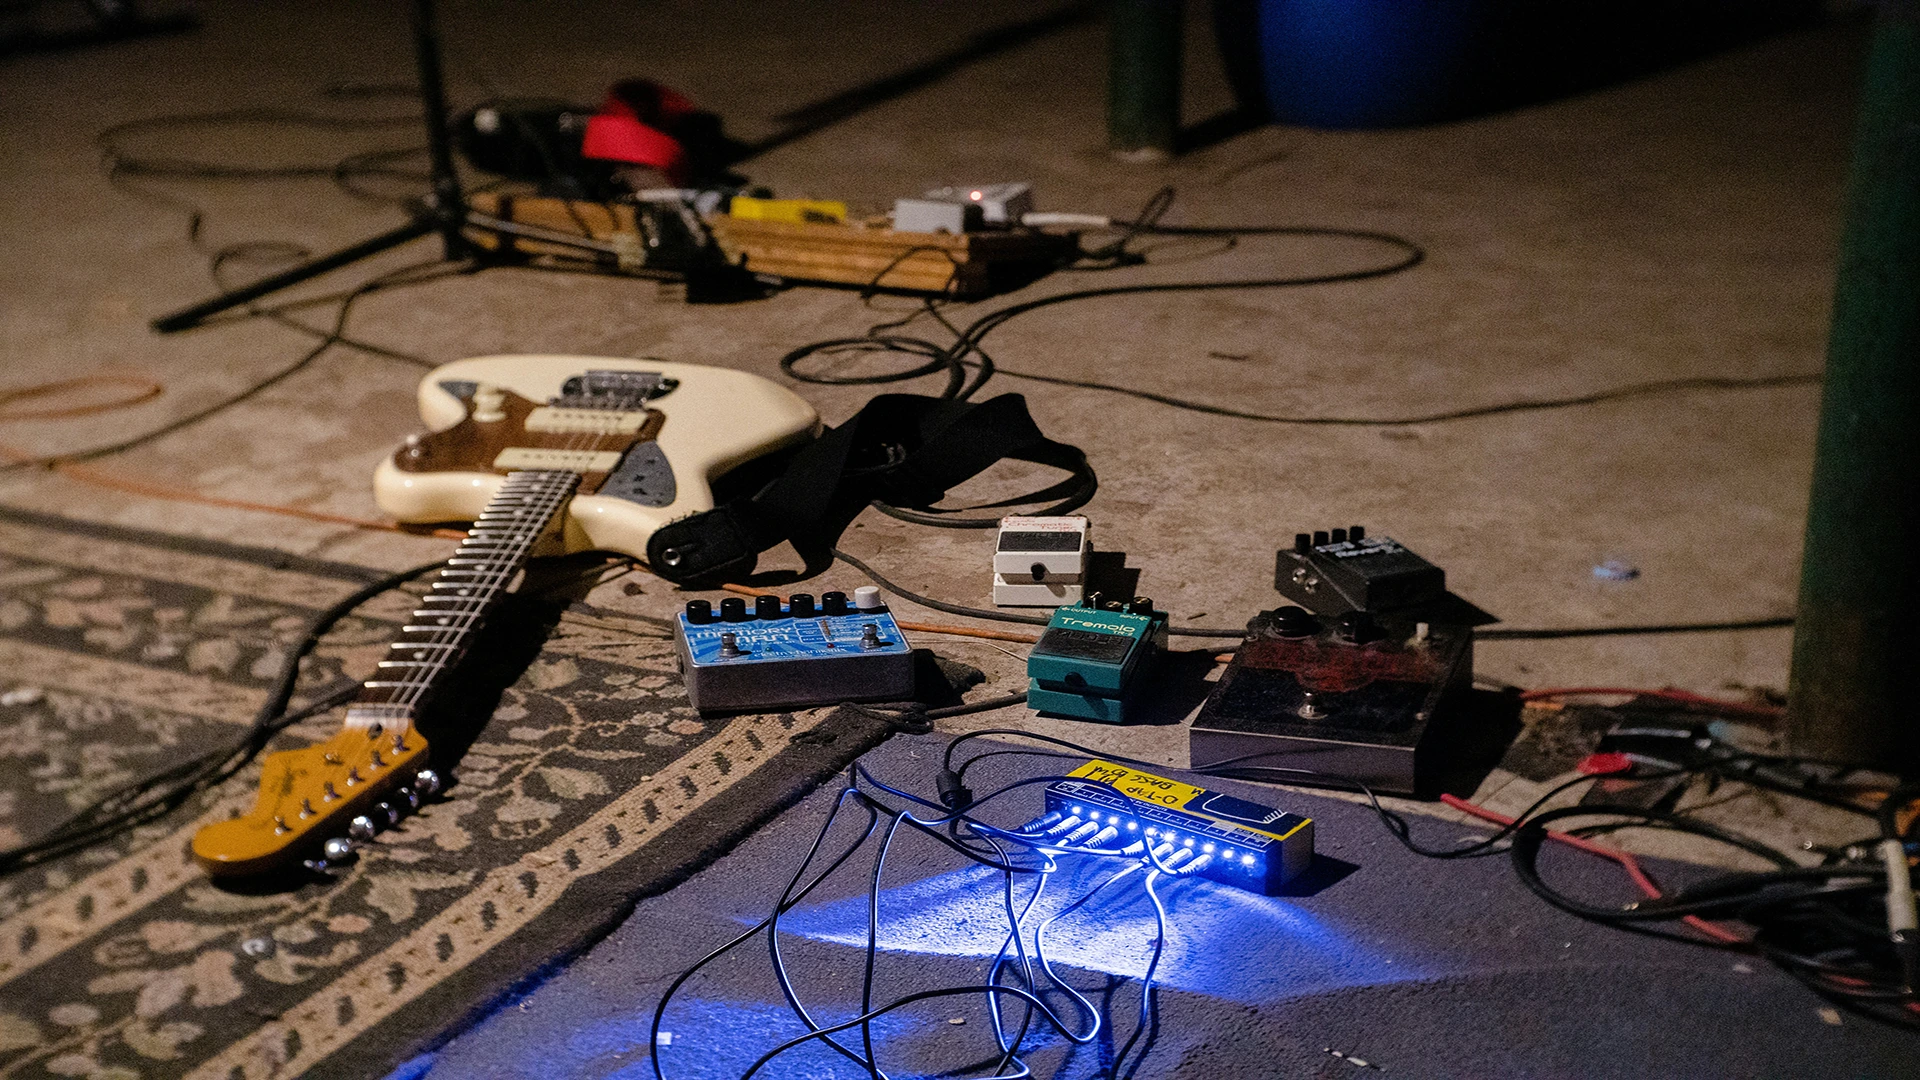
{"type": "Point", "coordinates": [1041, 219]}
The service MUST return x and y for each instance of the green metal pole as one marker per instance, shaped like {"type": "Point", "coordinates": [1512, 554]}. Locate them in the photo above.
{"type": "Point", "coordinates": [1854, 691]}
{"type": "Point", "coordinates": [1143, 78]}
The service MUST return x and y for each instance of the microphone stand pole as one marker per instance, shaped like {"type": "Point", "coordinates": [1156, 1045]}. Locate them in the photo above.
{"type": "Point", "coordinates": [444, 211]}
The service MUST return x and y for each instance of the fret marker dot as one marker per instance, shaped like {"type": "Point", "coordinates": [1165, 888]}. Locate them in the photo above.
{"type": "Point", "coordinates": [444, 621]}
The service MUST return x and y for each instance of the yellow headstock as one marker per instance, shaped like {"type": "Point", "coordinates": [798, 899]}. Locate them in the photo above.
{"type": "Point", "coordinates": [344, 789]}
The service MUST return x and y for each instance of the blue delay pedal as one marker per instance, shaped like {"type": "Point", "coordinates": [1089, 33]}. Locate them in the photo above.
{"type": "Point", "coordinates": [769, 655]}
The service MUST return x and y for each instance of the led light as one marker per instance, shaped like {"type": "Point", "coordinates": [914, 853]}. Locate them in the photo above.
{"type": "Point", "coordinates": [1246, 860]}
{"type": "Point", "coordinates": [1151, 831]}
{"type": "Point", "coordinates": [1208, 848]}
{"type": "Point", "coordinates": [976, 196]}
{"type": "Point", "coordinates": [1133, 826]}
{"type": "Point", "coordinates": [1227, 854]}
{"type": "Point", "coordinates": [1188, 841]}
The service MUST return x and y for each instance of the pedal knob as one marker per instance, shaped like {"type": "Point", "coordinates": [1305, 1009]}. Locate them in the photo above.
{"type": "Point", "coordinates": [833, 603]}
{"type": "Point", "coordinates": [867, 598]}
{"type": "Point", "coordinates": [767, 607]}
{"type": "Point", "coordinates": [699, 611]}
{"type": "Point", "coordinates": [1295, 622]}
{"type": "Point", "coordinates": [733, 609]}
{"type": "Point", "coordinates": [489, 403]}
{"type": "Point", "coordinates": [1358, 628]}
{"type": "Point", "coordinates": [800, 605]}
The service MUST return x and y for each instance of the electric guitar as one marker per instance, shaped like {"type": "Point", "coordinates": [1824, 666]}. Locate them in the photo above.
{"type": "Point", "coordinates": [545, 455]}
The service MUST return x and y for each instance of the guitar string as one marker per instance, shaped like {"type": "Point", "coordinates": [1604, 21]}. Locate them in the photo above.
{"type": "Point", "coordinates": [406, 694]}
{"type": "Point", "coordinates": [544, 491]}
{"type": "Point", "coordinates": [539, 491]}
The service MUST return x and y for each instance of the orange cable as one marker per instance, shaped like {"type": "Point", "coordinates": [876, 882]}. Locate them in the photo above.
{"type": "Point", "coordinates": [88, 475]}
{"type": "Point", "coordinates": [1686, 697]}
{"type": "Point", "coordinates": [144, 389]}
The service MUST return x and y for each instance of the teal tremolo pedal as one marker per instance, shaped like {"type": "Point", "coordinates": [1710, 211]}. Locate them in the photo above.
{"type": "Point", "coordinates": [1088, 661]}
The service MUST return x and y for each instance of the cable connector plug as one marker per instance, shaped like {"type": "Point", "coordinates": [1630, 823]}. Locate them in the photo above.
{"type": "Point", "coordinates": [1903, 918]}
{"type": "Point", "coordinates": [955, 795]}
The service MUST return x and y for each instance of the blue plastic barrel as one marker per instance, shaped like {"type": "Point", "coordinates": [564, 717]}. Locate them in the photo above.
{"type": "Point", "coordinates": [1368, 63]}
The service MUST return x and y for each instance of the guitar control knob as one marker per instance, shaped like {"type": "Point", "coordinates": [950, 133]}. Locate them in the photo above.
{"type": "Point", "coordinates": [800, 605]}
{"type": "Point", "coordinates": [833, 603]}
{"type": "Point", "coordinates": [337, 848]}
{"type": "Point", "coordinates": [733, 609]}
{"type": "Point", "coordinates": [699, 612]}
{"type": "Point", "coordinates": [427, 783]}
{"type": "Point", "coordinates": [361, 827]}
{"type": "Point", "coordinates": [489, 403]}
{"type": "Point", "coordinates": [766, 607]}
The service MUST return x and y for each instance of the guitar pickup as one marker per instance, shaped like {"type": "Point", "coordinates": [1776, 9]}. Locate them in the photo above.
{"type": "Point", "coordinates": [587, 421]}
{"type": "Point", "coordinates": [580, 461]}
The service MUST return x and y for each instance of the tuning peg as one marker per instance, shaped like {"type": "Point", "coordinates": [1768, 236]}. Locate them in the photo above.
{"type": "Point", "coordinates": [387, 809]}
{"type": "Point", "coordinates": [361, 827]}
{"type": "Point", "coordinates": [411, 796]}
{"type": "Point", "coordinates": [427, 783]}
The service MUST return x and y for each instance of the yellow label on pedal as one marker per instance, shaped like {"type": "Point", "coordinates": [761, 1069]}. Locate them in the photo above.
{"type": "Point", "coordinates": [1135, 784]}
{"type": "Point", "coordinates": [1224, 810]}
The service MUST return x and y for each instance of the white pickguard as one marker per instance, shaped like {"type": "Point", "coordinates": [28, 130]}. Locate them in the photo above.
{"type": "Point", "coordinates": [716, 419]}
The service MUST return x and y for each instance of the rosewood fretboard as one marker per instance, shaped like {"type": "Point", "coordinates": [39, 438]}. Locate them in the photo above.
{"type": "Point", "coordinates": [465, 591]}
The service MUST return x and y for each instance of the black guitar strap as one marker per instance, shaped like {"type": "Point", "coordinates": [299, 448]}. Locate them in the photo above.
{"type": "Point", "coordinates": [902, 452]}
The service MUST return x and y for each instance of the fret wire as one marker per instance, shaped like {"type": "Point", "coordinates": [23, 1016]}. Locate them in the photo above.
{"type": "Point", "coordinates": [547, 491]}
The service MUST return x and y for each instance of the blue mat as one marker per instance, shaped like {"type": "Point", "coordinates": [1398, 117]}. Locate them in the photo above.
{"type": "Point", "coordinates": [1417, 967]}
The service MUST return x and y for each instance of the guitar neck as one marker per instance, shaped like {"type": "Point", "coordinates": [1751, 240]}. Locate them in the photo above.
{"type": "Point", "coordinates": [462, 595]}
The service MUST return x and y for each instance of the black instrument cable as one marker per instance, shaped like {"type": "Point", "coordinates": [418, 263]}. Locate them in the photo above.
{"type": "Point", "coordinates": [150, 797]}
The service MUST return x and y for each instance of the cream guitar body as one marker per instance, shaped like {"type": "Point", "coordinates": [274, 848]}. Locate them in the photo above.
{"type": "Point", "coordinates": [486, 418]}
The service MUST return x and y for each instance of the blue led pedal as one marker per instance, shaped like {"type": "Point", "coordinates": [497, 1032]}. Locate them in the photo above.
{"type": "Point", "coordinates": [1205, 833]}
{"type": "Point", "coordinates": [771, 655]}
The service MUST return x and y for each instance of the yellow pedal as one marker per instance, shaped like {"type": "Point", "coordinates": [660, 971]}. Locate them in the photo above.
{"type": "Point", "coordinates": [791, 211]}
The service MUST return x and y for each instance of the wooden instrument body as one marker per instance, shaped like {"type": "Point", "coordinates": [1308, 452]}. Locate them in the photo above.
{"type": "Point", "coordinates": [714, 420]}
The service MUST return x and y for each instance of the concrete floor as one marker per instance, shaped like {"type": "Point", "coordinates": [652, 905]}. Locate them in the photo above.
{"type": "Point", "coordinates": [1684, 224]}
